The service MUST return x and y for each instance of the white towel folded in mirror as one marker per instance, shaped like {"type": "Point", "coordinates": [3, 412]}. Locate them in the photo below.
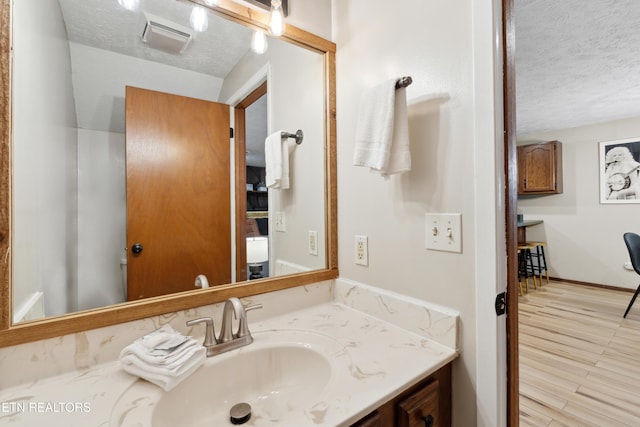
{"type": "Point", "coordinates": [163, 357]}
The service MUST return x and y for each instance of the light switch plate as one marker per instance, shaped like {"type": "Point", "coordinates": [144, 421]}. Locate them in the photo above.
{"type": "Point", "coordinates": [444, 232]}
{"type": "Point", "coordinates": [280, 221]}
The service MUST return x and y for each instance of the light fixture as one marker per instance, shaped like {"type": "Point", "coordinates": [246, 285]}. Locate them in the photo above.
{"type": "Point", "coordinates": [257, 253]}
{"type": "Point", "coordinates": [276, 22]}
{"type": "Point", "coordinates": [129, 4]}
{"type": "Point", "coordinates": [259, 42]}
{"type": "Point", "coordinates": [198, 19]}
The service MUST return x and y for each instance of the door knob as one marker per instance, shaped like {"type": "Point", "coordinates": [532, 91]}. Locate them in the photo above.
{"type": "Point", "coordinates": [136, 248]}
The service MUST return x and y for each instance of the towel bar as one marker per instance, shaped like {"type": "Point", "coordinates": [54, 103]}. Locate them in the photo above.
{"type": "Point", "coordinates": [404, 82]}
{"type": "Point", "coordinates": [299, 136]}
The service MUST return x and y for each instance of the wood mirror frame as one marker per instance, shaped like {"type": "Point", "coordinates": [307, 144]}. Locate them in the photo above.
{"type": "Point", "coordinates": [90, 319]}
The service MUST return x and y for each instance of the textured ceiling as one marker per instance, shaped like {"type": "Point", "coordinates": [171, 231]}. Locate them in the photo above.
{"type": "Point", "coordinates": [577, 62]}
{"type": "Point", "coordinates": [105, 25]}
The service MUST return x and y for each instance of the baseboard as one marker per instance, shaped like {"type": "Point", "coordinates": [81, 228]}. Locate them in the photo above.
{"type": "Point", "coordinates": [593, 285]}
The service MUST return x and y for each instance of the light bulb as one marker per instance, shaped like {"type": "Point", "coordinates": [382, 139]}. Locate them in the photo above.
{"type": "Point", "coordinates": [129, 4]}
{"type": "Point", "coordinates": [276, 24]}
{"type": "Point", "coordinates": [198, 19]}
{"type": "Point", "coordinates": [259, 42]}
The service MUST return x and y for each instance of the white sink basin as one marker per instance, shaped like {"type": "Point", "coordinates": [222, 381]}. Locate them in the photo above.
{"type": "Point", "coordinates": [281, 374]}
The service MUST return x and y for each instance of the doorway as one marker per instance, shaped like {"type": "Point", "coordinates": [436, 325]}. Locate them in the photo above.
{"type": "Point", "coordinates": [251, 197]}
{"type": "Point", "coordinates": [578, 129]}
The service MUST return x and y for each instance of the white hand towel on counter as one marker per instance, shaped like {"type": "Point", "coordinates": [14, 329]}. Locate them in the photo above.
{"type": "Point", "coordinates": [163, 357]}
{"type": "Point", "coordinates": [161, 379]}
{"type": "Point", "coordinates": [382, 134]}
{"type": "Point", "coordinates": [160, 357]}
{"type": "Point", "coordinates": [276, 153]}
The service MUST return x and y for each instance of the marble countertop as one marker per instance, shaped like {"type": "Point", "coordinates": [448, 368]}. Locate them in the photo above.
{"type": "Point", "coordinates": [372, 361]}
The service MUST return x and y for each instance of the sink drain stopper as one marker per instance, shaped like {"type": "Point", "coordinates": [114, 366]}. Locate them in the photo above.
{"type": "Point", "coordinates": [240, 413]}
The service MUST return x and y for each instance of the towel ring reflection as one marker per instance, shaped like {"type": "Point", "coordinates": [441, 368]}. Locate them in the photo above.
{"type": "Point", "coordinates": [299, 136]}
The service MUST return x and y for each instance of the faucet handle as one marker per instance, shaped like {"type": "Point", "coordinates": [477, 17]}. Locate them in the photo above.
{"type": "Point", "coordinates": [243, 327]}
{"type": "Point", "coordinates": [209, 333]}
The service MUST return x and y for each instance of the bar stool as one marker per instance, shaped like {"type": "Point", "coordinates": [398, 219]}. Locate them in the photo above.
{"type": "Point", "coordinates": [525, 264]}
{"type": "Point", "coordinates": [520, 276]}
{"type": "Point", "coordinates": [541, 261]}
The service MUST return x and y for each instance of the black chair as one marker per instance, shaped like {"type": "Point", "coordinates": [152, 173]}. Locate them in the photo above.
{"type": "Point", "coordinates": [632, 241]}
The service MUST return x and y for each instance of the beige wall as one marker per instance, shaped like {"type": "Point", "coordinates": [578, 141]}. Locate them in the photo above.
{"type": "Point", "coordinates": [44, 158]}
{"type": "Point", "coordinates": [296, 101]}
{"type": "Point", "coordinates": [435, 44]}
{"type": "Point", "coordinates": [584, 237]}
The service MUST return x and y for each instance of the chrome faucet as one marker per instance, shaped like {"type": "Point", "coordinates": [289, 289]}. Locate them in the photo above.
{"type": "Point", "coordinates": [231, 306]}
{"type": "Point", "coordinates": [227, 340]}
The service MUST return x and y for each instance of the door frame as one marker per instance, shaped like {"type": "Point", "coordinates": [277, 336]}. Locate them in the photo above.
{"type": "Point", "coordinates": [511, 198]}
{"type": "Point", "coordinates": [240, 135]}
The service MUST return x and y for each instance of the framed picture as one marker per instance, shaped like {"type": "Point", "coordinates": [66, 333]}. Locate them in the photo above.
{"type": "Point", "coordinates": [620, 171]}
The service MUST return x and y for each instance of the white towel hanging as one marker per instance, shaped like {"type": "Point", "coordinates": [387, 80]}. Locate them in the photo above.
{"type": "Point", "coordinates": [277, 150]}
{"type": "Point", "coordinates": [382, 136]}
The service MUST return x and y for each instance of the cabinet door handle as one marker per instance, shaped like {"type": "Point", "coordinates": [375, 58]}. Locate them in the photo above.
{"type": "Point", "coordinates": [428, 421]}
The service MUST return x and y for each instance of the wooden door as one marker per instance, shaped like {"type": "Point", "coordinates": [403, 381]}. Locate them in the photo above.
{"type": "Point", "coordinates": [178, 192]}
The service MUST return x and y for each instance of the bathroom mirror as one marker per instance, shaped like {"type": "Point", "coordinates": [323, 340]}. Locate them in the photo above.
{"type": "Point", "coordinates": [239, 84]}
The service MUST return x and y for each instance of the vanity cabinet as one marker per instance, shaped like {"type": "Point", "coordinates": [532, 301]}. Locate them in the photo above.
{"type": "Point", "coordinates": [540, 168]}
{"type": "Point", "coordinates": [426, 404]}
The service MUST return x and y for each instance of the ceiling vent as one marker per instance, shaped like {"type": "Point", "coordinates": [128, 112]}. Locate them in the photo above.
{"type": "Point", "coordinates": [162, 34]}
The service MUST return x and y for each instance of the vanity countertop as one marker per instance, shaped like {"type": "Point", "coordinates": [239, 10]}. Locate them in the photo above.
{"type": "Point", "coordinates": [374, 361]}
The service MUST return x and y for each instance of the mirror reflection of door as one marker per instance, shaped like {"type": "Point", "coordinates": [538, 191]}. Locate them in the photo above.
{"type": "Point", "coordinates": [178, 199]}
{"type": "Point", "coordinates": [252, 124]}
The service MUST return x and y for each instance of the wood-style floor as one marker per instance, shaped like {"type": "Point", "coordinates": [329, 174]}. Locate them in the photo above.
{"type": "Point", "coordinates": [579, 359]}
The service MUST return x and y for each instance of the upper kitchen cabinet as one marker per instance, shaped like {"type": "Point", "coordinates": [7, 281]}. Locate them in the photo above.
{"type": "Point", "coordinates": [540, 168]}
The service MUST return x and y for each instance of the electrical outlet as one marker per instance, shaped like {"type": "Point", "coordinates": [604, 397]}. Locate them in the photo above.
{"type": "Point", "coordinates": [362, 250]}
{"type": "Point", "coordinates": [313, 242]}
{"type": "Point", "coordinates": [280, 221]}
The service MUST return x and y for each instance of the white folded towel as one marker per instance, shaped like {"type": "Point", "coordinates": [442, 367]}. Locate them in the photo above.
{"type": "Point", "coordinates": [160, 357]}
{"type": "Point", "coordinates": [163, 339]}
{"type": "Point", "coordinates": [382, 133]}
{"type": "Point", "coordinates": [164, 357]}
{"type": "Point", "coordinates": [161, 379]}
{"type": "Point", "coordinates": [276, 153]}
